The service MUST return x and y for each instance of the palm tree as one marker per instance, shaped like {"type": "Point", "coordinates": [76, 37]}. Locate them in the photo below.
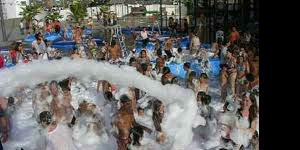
{"type": "Point", "coordinates": [79, 11]}
{"type": "Point", "coordinates": [53, 15]}
{"type": "Point", "coordinates": [28, 14]}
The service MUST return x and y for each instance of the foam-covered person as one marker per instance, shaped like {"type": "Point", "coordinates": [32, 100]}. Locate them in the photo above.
{"type": "Point", "coordinates": [58, 136]}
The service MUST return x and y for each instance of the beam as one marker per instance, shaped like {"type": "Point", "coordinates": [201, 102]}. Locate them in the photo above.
{"type": "Point", "coordinates": [2, 22]}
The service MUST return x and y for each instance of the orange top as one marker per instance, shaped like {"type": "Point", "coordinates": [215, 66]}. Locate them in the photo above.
{"type": "Point", "coordinates": [234, 36]}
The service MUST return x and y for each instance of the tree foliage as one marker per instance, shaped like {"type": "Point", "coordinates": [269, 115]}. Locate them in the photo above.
{"type": "Point", "coordinates": [29, 12]}
{"type": "Point", "coordinates": [55, 15]}
{"type": "Point", "coordinates": [78, 9]}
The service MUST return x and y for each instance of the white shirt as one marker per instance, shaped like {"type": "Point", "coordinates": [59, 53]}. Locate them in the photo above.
{"type": "Point", "coordinates": [144, 35]}
{"type": "Point", "coordinates": [40, 48]}
{"type": "Point", "coordinates": [195, 42]}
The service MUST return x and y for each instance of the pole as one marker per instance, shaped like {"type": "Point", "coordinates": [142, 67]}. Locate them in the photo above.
{"type": "Point", "coordinates": [214, 20]}
{"type": "Point", "coordinates": [2, 23]}
{"type": "Point", "coordinates": [161, 19]}
{"type": "Point", "coordinates": [195, 18]}
{"type": "Point", "coordinates": [180, 15]}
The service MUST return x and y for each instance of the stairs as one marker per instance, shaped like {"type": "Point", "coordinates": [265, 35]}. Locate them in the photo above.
{"type": "Point", "coordinates": [118, 33]}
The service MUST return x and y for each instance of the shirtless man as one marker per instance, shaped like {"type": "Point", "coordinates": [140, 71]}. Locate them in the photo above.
{"type": "Point", "coordinates": [124, 122]}
{"type": "Point", "coordinates": [115, 51]}
{"type": "Point", "coordinates": [127, 125]}
{"type": "Point", "coordinates": [77, 35]}
{"type": "Point", "coordinates": [57, 103]}
{"type": "Point", "coordinates": [223, 81]}
{"type": "Point", "coordinates": [202, 84]}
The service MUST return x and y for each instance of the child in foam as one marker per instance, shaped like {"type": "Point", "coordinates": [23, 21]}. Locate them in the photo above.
{"type": "Point", "coordinates": [58, 136]}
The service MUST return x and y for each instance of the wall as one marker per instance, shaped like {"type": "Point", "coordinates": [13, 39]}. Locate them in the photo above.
{"type": "Point", "coordinates": [12, 8]}
{"type": "Point", "coordinates": [155, 7]}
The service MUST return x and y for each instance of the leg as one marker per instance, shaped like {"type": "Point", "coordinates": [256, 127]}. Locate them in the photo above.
{"type": "Point", "coordinates": [232, 79]}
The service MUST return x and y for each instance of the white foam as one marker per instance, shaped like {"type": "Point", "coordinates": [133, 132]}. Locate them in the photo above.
{"type": "Point", "coordinates": [180, 103]}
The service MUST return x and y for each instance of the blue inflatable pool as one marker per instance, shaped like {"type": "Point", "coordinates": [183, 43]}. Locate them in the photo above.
{"type": "Point", "coordinates": [48, 36]}
{"type": "Point", "coordinates": [177, 69]}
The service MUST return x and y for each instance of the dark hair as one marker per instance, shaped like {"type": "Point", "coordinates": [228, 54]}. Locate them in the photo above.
{"type": "Point", "coordinates": [250, 77]}
{"type": "Point", "coordinates": [124, 98]}
{"type": "Point", "coordinates": [46, 117]}
{"type": "Point", "coordinates": [204, 75]}
{"type": "Point", "coordinates": [223, 66]}
{"type": "Point", "coordinates": [108, 95]}
{"type": "Point", "coordinates": [131, 60]}
{"type": "Point", "coordinates": [179, 50]}
{"type": "Point", "coordinates": [11, 101]}
{"type": "Point", "coordinates": [187, 65]}
{"type": "Point", "coordinates": [140, 108]}
{"type": "Point", "coordinates": [53, 82]}
{"type": "Point", "coordinates": [206, 100]}
{"type": "Point", "coordinates": [144, 67]}
{"type": "Point", "coordinates": [37, 35]}
{"type": "Point", "coordinates": [64, 84]}
{"type": "Point", "coordinates": [159, 52]}
{"type": "Point", "coordinates": [166, 70]}
{"type": "Point", "coordinates": [252, 109]}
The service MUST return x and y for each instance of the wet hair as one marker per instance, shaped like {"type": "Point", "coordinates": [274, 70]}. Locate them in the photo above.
{"type": "Point", "coordinates": [140, 108]}
{"type": "Point", "coordinates": [252, 109]}
{"type": "Point", "coordinates": [166, 70]}
{"type": "Point", "coordinates": [250, 77]}
{"type": "Point", "coordinates": [187, 65]}
{"type": "Point", "coordinates": [201, 93]}
{"type": "Point", "coordinates": [159, 52]}
{"type": "Point", "coordinates": [64, 85]}
{"type": "Point", "coordinates": [156, 116]}
{"type": "Point", "coordinates": [156, 105]}
{"type": "Point", "coordinates": [206, 99]}
{"type": "Point", "coordinates": [223, 66]}
{"type": "Point", "coordinates": [108, 95]}
{"type": "Point", "coordinates": [179, 50]}
{"type": "Point", "coordinates": [37, 35]}
{"type": "Point", "coordinates": [131, 60]}
{"type": "Point", "coordinates": [53, 82]}
{"type": "Point", "coordinates": [144, 67]}
{"type": "Point", "coordinates": [164, 80]}
{"type": "Point", "coordinates": [174, 80]}
{"type": "Point", "coordinates": [11, 101]}
{"type": "Point", "coordinates": [45, 117]}
{"type": "Point", "coordinates": [204, 75]}
{"type": "Point", "coordinates": [143, 51]}
{"type": "Point", "coordinates": [124, 98]}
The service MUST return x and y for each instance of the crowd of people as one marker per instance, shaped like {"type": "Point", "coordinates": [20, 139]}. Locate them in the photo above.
{"type": "Point", "coordinates": [57, 109]}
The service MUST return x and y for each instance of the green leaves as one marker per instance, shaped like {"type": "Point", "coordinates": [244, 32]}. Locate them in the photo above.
{"type": "Point", "coordinates": [54, 16]}
{"type": "Point", "coordinates": [30, 11]}
{"type": "Point", "coordinates": [78, 10]}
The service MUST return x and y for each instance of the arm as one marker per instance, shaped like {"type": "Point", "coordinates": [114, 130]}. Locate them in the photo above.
{"type": "Point", "coordinates": [4, 126]}
{"type": "Point", "coordinates": [253, 126]}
